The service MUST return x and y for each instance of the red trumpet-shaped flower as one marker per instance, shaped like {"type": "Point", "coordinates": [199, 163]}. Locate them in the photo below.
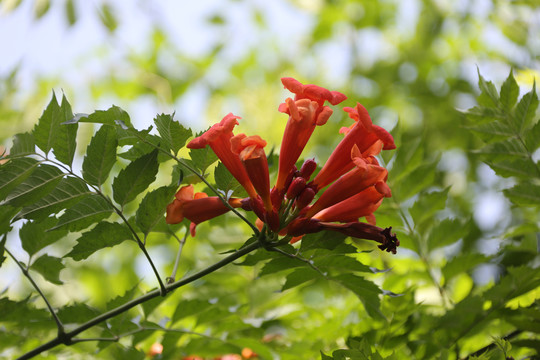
{"type": "Point", "coordinates": [250, 149]}
{"type": "Point", "coordinates": [197, 207]}
{"type": "Point", "coordinates": [218, 137]}
{"type": "Point", "coordinates": [367, 137]}
{"type": "Point", "coordinates": [366, 173]}
{"type": "Point", "coordinates": [306, 111]}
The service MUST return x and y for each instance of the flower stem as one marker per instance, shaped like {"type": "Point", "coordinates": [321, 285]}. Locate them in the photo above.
{"type": "Point", "coordinates": [181, 244]}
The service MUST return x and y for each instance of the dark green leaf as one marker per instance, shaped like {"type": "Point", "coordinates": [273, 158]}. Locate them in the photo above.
{"type": "Point", "coordinates": [172, 132]}
{"type": "Point", "coordinates": [111, 116]}
{"type": "Point", "coordinates": [325, 240]}
{"type": "Point", "coordinates": [68, 192]}
{"type": "Point", "coordinates": [408, 158]}
{"type": "Point", "coordinates": [226, 182]}
{"type": "Point", "coordinates": [298, 277]}
{"type": "Point", "coordinates": [366, 291]}
{"type": "Point", "coordinates": [108, 18]}
{"type": "Point", "coordinates": [64, 143]}
{"type": "Point", "coordinates": [418, 180]}
{"type": "Point", "coordinates": [42, 181]}
{"type": "Point", "coordinates": [23, 144]}
{"type": "Point", "coordinates": [15, 172]}
{"type": "Point", "coordinates": [509, 92]}
{"type": "Point", "coordinates": [104, 235]}
{"type": "Point", "coordinates": [2, 249]}
{"type": "Point", "coordinates": [188, 308]}
{"type": "Point", "coordinates": [88, 211]}
{"type": "Point", "coordinates": [446, 232]}
{"type": "Point", "coordinates": [339, 261]}
{"type": "Point", "coordinates": [49, 267]}
{"type": "Point", "coordinates": [492, 131]}
{"type": "Point", "coordinates": [150, 143]}
{"type": "Point", "coordinates": [122, 299]}
{"type": "Point", "coordinates": [34, 236]}
{"type": "Point", "coordinates": [153, 206]}
{"type": "Point", "coordinates": [203, 158]}
{"type": "Point", "coordinates": [20, 312]}
{"type": "Point", "coordinates": [504, 149]}
{"type": "Point", "coordinates": [6, 215]}
{"type": "Point", "coordinates": [427, 205]}
{"type": "Point", "coordinates": [325, 357]}
{"type": "Point", "coordinates": [47, 128]}
{"type": "Point", "coordinates": [150, 305]}
{"type": "Point", "coordinates": [77, 313]}
{"type": "Point", "coordinates": [135, 178]}
{"type": "Point", "coordinates": [280, 264]}
{"type": "Point", "coordinates": [532, 137]}
{"type": "Point", "coordinates": [518, 281]}
{"type": "Point", "coordinates": [526, 109]}
{"type": "Point", "coordinates": [100, 156]}
{"type": "Point", "coordinates": [524, 194]}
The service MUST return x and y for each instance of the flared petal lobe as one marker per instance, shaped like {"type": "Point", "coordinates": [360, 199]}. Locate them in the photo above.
{"type": "Point", "coordinates": [366, 136]}
{"type": "Point", "coordinates": [218, 137]}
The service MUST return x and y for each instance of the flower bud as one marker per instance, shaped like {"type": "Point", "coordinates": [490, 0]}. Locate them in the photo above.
{"type": "Point", "coordinates": [305, 198]}
{"type": "Point", "coordinates": [297, 186]}
{"type": "Point", "coordinates": [308, 168]}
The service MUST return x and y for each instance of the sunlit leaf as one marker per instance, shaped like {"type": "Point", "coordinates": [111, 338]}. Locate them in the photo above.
{"type": "Point", "coordinates": [526, 109]}
{"type": "Point", "coordinates": [509, 92]}
{"type": "Point", "coordinates": [446, 232]}
{"type": "Point", "coordinates": [524, 194]}
{"type": "Point", "coordinates": [104, 235]}
{"type": "Point", "coordinates": [48, 126]}
{"type": "Point", "coordinates": [367, 292]}
{"type": "Point", "coordinates": [427, 205]}
{"type": "Point", "coordinates": [64, 144]}
{"type": "Point", "coordinates": [203, 158]}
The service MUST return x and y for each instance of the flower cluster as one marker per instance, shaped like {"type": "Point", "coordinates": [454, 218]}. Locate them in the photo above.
{"type": "Point", "coordinates": [353, 181]}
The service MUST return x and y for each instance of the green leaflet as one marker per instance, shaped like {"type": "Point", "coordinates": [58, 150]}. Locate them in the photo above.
{"type": "Point", "coordinates": [509, 92]}
{"type": "Point", "coordinates": [135, 178]}
{"type": "Point", "coordinates": [427, 205]}
{"type": "Point", "coordinates": [172, 132]}
{"type": "Point", "coordinates": [100, 156]}
{"type": "Point", "coordinates": [47, 128]}
{"type": "Point", "coordinates": [67, 192]}
{"type": "Point", "coordinates": [91, 209]}
{"type": "Point", "coordinates": [153, 206]}
{"type": "Point", "coordinates": [64, 145]}
{"type": "Point", "coordinates": [23, 144]}
{"type": "Point", "coordinates": [42, 181]}
{"type": "Point", "coordinates": [34, 236]}
{"type": "Point", "coordinates": [104, 234]}
{"type": "Point", "coordinates": [526, 109]}
{"type": "Point", "coordinates": [49, 267]}
{"type": "Point", "coordinates": [367, 292]}
{"type": "Point", "coordinates": [203, 158]}
{"type": "Point", "coordinates": [15, 172]}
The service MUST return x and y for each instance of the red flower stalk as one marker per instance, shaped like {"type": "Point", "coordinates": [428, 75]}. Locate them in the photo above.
{"type": "Point", "coordinates": [362, 204]}
{"type": "Point", "coordinates": [306, 111]}
{"type": "Point", "coordinates": [218, 137]}
{"type": "Point", "coordinates": [197, 207]}
{"type": "Point", "coordinates": [368, 137]}
{"type": "Point", "coordinates": [250, 149]}
{"type": "Point", "coordinates": [364, 175]}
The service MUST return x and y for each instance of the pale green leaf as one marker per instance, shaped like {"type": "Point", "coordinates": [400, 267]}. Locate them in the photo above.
{"type": "Point", "coordinates": [49, 267]}
{"type": "Point", "coordinates": [153, 206]}
{"type": "Point", "coordinates": [172, 132]}
{"type": "Point", "coordinates": [509, 92]}
{"type": "Point", "coordinates": [135, 178]}
{"type": "Point", "coordinates": [446, 232]}
{"type": "Point", "coordinates": [522, 167]}
{"type": "Point", "coordinates": [427, 205]}
{"type": "Point", "coordinates": [462, 263]}
{"type": "Point", "coordinates": [506, 148]}
{"type": "Point", "coordinates": [42, 181]}
{"type": "Point", "coordinates": [14, 172]}
{"type": "Point", "coordinates": [66, 193]}
{"type": "Point", "coordinates": [100, 156]}
{"type": "Point", "coordinates": [524, 194]}
{"type": "Point", "coordinates": [492, 131]}
{"type": "Point", "coordinates": [88, 211]}
{"type": "Point", "coordinates": [526, 109]}
{"type": "Point", "coordinates": [489, 96]}
{"type": "Point", "coordinates": [367, 292]}
{"type": "Point", "coordinates": [34, 236]}
{"type": "Point", "coordinates": [103, 235]}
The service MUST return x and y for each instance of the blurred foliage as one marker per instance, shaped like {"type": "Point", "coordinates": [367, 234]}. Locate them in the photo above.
{"type": "Point", "coordinates": [465, 183]}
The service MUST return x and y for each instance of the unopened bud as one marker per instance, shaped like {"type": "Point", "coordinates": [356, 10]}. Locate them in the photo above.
{"type": "Point", "coordinates": [297, 186]}
{"type": "Point", "coordinates": [308, 168]}
{"type": "Point", "coordinates": [305, 198]}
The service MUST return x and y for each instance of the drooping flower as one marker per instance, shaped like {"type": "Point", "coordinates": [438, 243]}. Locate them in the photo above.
{"type": "Point", "coordinates": [306, 111]}
{"type": "Point", "coordinates": [218, 137]}
{"type": "Point", "coordinates": [369, 138]}
{"type": "Point", "coordinates": [196, 207]}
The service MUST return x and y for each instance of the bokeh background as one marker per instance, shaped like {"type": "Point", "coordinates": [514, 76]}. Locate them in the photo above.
{"type": "Point", "coordinates": [412, 63]}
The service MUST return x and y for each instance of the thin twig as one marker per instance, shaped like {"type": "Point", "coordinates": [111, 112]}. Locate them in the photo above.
{"type": "Point", "coordinates": [67, 338]}
{"type": "Point", "coordinates": [181, 244]}
{"type": "Point", "coordinates": [26, 273]}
